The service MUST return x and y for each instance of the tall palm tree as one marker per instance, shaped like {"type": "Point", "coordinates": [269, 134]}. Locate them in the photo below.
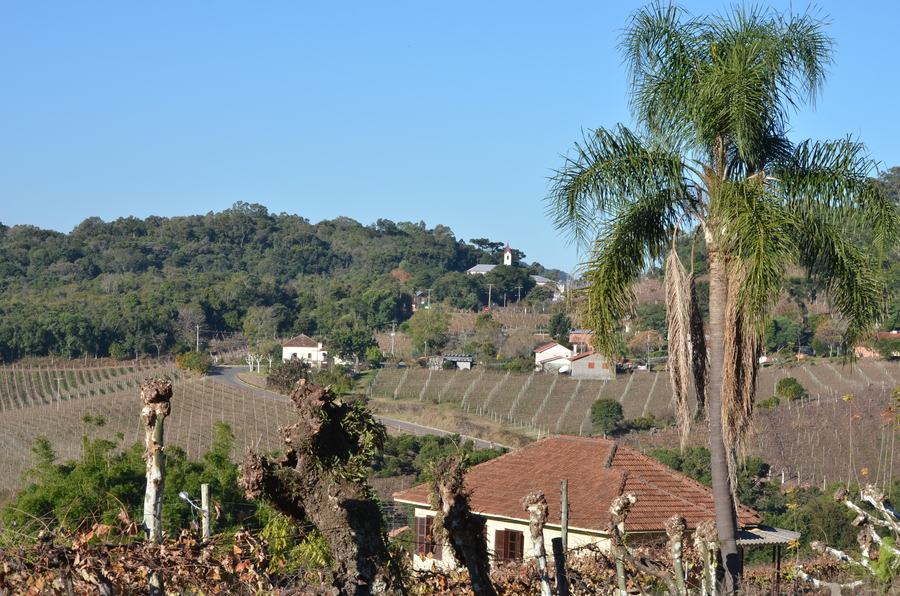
{"type": "Point", "coordinates": [710, 156]}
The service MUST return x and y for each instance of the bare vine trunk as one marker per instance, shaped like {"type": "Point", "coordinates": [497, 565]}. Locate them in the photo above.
{"type": "Point", "coordinates": [464, 528]}
{"type": "Point", "coordinates": [536, 506]}
{"type": "Point", "coordinates": [321, 478]}
{"type": "Point", "coordinates": [155, 397]}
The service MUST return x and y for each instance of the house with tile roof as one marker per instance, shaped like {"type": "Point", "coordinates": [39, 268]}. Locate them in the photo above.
{"type": "Point", "coordinates": [597, 472]}
{"type": "Point", "coordinates": [551, 356]}
{"type": "Point", "coordinates": [305, 348]}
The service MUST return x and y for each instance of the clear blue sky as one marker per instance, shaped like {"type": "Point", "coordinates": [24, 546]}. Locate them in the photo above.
{"type": "Point", "coordinates": [450, 113]}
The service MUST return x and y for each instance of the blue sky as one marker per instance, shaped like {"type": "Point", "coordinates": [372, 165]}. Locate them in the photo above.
{"type": "Point", "coordinates": [447, 113]}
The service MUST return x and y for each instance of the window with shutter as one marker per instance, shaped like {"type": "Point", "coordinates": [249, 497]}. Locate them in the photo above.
{"type": "Point", "coordinates": [424, 542]}
{"type": "Point", "coordinates": [509, 545]}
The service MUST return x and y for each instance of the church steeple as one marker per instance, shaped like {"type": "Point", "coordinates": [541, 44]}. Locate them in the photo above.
{"type": "Point", "coordinates": [507, 256]}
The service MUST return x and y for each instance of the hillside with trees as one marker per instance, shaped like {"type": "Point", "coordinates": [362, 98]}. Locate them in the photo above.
{"type": "Point", "coordinates": [134, 287]}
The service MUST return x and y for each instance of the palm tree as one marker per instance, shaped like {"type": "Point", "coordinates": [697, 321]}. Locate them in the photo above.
{"type": "Point", "coordinates": [710, 157]}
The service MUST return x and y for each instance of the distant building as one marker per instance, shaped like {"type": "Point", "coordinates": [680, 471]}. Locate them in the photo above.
{"type": "Point", "coordinates": [461, 361]}
{"type": "Point", "coordinates": [539, 280]}
{"type": "Point", "coordinates": [420, 300]}
{"type": "Point", "coordinates": [592, 365]}
{"type": "Point", "coordinates": [483, 269]}
{"type": "Point", "coordinates": [581, 340]}
{"type": "Point", "coordinates": [551, 357]}
{"type": "Point", "coordinates": [305, 348]}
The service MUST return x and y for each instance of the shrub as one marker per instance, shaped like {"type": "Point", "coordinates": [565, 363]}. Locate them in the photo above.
{"type": "Point", "coordinates": [198, 362]}
{"type": "Point", "coordinates": [518, 365]}
{"type": "Point", "coordinates": [790, 388]}
{"type": "Point", "coordinates": [768, 403]}
{"type": "Point", "coordinates": [285, 375]}
{"type": "Point", "coordinates": [606, 414]}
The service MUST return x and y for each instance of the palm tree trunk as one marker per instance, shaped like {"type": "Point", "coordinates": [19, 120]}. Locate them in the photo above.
{"type": "Point", "coordinates": [726, 517]}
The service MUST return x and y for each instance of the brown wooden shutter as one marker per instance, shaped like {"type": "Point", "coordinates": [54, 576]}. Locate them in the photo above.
{"type": "Point", "coordinates": [421, 540]}
{"type": "Point", "coordinates": [433, 547]}
{"type": "Point", "coordinates": [500, 545]}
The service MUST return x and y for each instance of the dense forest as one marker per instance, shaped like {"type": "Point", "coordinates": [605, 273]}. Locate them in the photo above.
{"type": "Point", "coordinates": [136, 287]}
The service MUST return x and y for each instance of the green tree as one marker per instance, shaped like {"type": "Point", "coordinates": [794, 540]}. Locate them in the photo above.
{"type": "Point", "coordinates": [711, 96]}
{"type": "Point", "coordinates": [606, 414]}
{"type": "Point", "coordinates": [428, 328]}
{"type": "Point", "coordinates": [782, 333]}
{"type": "Point", "coordinates": [374, 356]}
{"type": "Point", "coordinates": [285, 375]}
{"type": "Point", "coordinates": [790, 388]}
{"type": "Point", "coordinates": [560, 326]}
{"type": "Point", "coordinates": [507, 280]}
{"type": "Point", "coordinates": [351, 342]}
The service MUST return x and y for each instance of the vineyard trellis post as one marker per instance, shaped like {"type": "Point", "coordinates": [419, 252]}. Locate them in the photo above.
{"type": "Point", "coordinates": [204, 503]}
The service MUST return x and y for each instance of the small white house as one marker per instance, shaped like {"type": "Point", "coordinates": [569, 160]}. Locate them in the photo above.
{"type": "Point", "coordinates": [304, 348]}
{"type": "Point", "coordinates": [551, 357]}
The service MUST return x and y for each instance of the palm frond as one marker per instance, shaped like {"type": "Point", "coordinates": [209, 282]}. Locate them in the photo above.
{"type": "Point", "coordinates": [659, 50]}
{"type": "Point", "coordinates": [848, 276]}
{"type": "Point", "coordinates": [634, 235]}
{"type": "Point", "coordinates": [758, 234]}
{"type": "Point", "coordinates": [743, 341]}
{"type": "Point", "coordinates": [832, 180]}
{"type": "Point", "coordinates": [678, 313]}
{"type": "Point", "coordinates": [609, 169]}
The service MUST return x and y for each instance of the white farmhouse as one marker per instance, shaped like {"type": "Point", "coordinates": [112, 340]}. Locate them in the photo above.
{"type": "Point", "coordinates": [304, 348]}
{"type": "Point", "coordinates": [552, 356]}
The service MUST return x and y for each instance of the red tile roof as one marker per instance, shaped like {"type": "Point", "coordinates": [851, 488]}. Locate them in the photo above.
{"type": "Point", "coordinates": [551, 359]}
{"type": "Point", "coordinates": [598, 471]}
{"type": "Point", "coordinates": [546, 347]}
{"type": "Point", "coordinates": [580, 356]}
{"type": "Point", "coordinates": [301, 341]}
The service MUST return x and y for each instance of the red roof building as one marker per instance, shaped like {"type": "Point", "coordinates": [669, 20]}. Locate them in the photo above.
{"type": "Point", "coordinates": [597, 471]}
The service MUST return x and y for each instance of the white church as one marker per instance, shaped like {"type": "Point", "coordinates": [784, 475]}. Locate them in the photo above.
{"type": "Point", "coordinates": [508, 261]}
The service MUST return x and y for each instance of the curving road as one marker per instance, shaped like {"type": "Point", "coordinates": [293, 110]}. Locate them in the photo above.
{"type": "Point", "coordinates": [229, 375]}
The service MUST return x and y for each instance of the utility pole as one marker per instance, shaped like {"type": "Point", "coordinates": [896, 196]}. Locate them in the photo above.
{"type": "Point", "coordinates": [198, 338]}
{"type": "Point", "coordinates": [429, 298]}
{"type": "Point", "coordinates": [393, 328]}
{"type": "Point", "coordinates": [58, 392]}
{"type": "Point", "coordinates": [490, 287]}
{"type": "Point", "coordinates": [519, 299]}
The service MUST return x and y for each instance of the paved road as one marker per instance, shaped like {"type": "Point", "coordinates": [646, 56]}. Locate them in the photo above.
{"type": "Point", "coordinates": [229, 375]}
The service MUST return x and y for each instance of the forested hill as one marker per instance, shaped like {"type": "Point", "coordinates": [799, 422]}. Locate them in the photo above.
{"type": "Point", "coordinates": [132, 287]}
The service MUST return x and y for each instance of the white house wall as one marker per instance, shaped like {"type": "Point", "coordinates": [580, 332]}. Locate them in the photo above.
{"type": "Point", "coordinates": [308, 354]}
{"type": "Point", "coordinates": [576, 538]}
{"type": "Point", "coordinates": [581, 368]}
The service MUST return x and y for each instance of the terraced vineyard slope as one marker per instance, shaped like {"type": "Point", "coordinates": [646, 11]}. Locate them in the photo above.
{"type": "Point", "coordinates": [196, 405]}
